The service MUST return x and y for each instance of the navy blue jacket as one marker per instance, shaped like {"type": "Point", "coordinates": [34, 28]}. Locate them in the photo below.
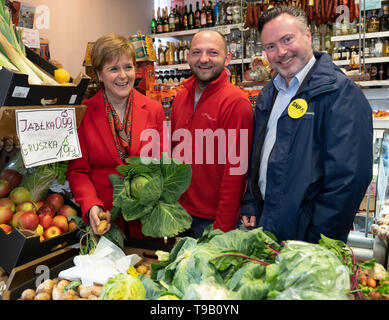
{"type": "Point", "coordinates": [321, 164]}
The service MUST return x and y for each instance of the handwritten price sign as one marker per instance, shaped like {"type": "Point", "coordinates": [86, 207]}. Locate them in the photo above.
{"type": "Point", "coordinates": [47, 136]}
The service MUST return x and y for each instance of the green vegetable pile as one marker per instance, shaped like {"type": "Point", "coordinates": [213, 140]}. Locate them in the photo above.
{"type": "Point", "coordinates": [123, 287]}
{"type": "Point", "coordinates": [250, 265]}
{"type": "Point", "coordinates": [148, 189]}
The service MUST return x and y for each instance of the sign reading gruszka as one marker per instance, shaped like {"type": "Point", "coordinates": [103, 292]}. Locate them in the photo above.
{"type": "Point", "coordinates": [47, 135]}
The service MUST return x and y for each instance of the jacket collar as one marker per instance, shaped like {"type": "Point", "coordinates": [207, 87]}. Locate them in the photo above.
{"type": "Point", "coordinates": [139, 115]}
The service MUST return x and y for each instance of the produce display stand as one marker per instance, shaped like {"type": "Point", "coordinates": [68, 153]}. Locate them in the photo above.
{"type": "Point", "coordinates": [24, 277]}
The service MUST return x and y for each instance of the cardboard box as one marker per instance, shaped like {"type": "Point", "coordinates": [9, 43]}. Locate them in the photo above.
{"type": "Point", "coordinates": [363, 205]}
{"type": "Point", "coordinates": [22, 246]}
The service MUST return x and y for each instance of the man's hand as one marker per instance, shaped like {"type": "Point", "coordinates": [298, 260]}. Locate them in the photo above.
{"type": "Point", "coordinates": [249, 221]}
{"type": "Point", "coordinates": [94, 220]}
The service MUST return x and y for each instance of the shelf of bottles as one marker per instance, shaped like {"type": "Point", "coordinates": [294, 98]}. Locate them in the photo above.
{"type": "Point", "coordinates": [364, 44]}
{"type": "Point", "coordinates": [185, 66]}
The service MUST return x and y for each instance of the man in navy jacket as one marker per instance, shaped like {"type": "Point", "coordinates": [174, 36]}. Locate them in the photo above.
{"type": "Point", "coordinates": [312, 152]}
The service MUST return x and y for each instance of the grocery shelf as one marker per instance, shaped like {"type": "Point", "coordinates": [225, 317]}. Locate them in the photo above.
{"type": "Point", "coordinates": [185, 66]}
{"type": "Point", "coordinates": [225, 29]}
{"type": "Point", "coordinates": [373, 83]}
{"type": "Point", "coordinates": [367, 60]}
{"type": "Point", "coordinates": [370, 35]}
{"type": "Point", "coordinates": [381, 123]}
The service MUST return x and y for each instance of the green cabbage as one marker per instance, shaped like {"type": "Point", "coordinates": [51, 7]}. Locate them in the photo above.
{"type": "Point", "coordinates": [149, 189]}
{"type": "Point", "coordinates": [137, 184]}
{"type": "Point", "coordinates": [123, 287]}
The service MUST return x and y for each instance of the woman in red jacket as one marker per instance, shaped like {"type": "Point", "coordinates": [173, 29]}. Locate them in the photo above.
{"type": "Point", "coordinates": [111, 130]}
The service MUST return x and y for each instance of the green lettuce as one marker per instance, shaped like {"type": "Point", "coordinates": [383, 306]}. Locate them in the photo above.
{"type": "Point", "coordinates": [148, 189]}
{"type": "Point", "coordinates": [123, 287]}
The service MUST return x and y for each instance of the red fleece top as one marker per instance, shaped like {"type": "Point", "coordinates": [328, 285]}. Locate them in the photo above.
{"type": "Point", "coordinates": [214, 192]}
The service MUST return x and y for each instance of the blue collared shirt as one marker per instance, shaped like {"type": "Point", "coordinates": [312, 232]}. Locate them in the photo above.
{"type": "Point", "coordinates": [285, 94]}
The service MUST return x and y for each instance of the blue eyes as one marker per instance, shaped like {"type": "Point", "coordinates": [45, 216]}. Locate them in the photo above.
{"type": "Point", "coordinates": [284, 41]}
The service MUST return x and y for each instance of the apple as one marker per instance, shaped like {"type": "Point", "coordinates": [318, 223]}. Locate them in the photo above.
{"type": "Point", "coordinates": [15, 218]}
{"type": "Point", "coordinates": [7, 202]}
{"type": "Point", "coordinates": [6, 215]}
{"type": "Point", "coordinates": [51, 232]}
{"type": "Point", "coordinates": [40, 203]}
{"type": "Point", "coordinates": [47, 209]}
{"type": "Point", "coordinates": [61, 222]}
{"type": "Point", "coordinates": [5, 188]}
{"type": "Point", "coordinates": [39, 229]}
{"type": "Point", "coordinates": [45, 220]}
{"type": "Point", "coordinates": [19, 195]}
{"type": "Point", "coordinates": [72, 225]}
{"type": "Point", "coordinates": [26, 206]}
{"type": "Point", "coordinates": [56, 200]}
{"type": "Point", "coordinates": [12, 176]}
{"type": "Point", "coordinates": [28, 220]}
{"type": "Point", "coordinates": [67, 211]}
{"type": "Point", "coordinates": [6, 227]}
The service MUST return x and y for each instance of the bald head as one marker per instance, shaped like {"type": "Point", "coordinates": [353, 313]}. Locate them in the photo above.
{"type": "Point", "coordinates": [212, 35]}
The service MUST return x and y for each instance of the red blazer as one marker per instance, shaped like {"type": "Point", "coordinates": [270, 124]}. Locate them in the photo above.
{"type": "Point", "coordinates": [88, 176]}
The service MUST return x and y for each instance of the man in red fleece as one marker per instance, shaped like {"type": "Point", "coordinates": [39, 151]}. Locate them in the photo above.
{"type": "Point", "coordinates": [212, 128]}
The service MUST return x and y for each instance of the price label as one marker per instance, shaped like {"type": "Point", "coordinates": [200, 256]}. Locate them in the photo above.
{"type": "Point", "coordinates": [369, 4]}
{"type": "Point", "coordinates": [47, 136]}
{"type": "Point", "coordinates": [223, 29]}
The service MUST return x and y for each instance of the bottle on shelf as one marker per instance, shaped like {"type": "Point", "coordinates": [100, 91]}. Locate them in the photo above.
{"type": "Point", "coordinates": [191, 17]}
{"type": "Point", "coordinates": [315, 38]}
{"type": "Point", "coordinates": [335, 52]}
{"type": "Point", "coordinates": [203, 15]}
{"type": "Point", "coordinates": [172, 20]}
{"type": "Point", "coordinates": [228, 19]}
{"type": "Point", "coordinates": [378, 47]}
{"type": "Point", "coordinates": [176, 53]}
{"type": "Point", "coordinates": [177, 19]}
{"type": "Point", "coordinates": [373, 72]}
{"type": "Point", "coordinates": [197, 16]}
{"type": "Point", "coordinates": [373, 24]}
{"type": "Point", "coordinates": [232, 45]}
{"type": "Point", "coordinates": [165, 21]}
{"type": "Point", "coordinates": [159, 21]}
{"type": "Point", "coordinates": [153, 24]}
{"type": "Point", "coordinates": [381, 72]}
{"type": "Point", "coordinates": [186, 51]}
{"type": "Point", "coordinates": [217, 13]}
{"type": "Point", "coordinates": [327, 40]}
{"type": "Point", "coordinates": [209, 13]}
{"type": "Point", "coordinates": [239, 48]}
{"type": "Point", "coordinates": [181, 52]}
{"type": "Point", "coordinates": [161, 55]}
{"type": "Point", "coordinates": [185, 23]}
{"type": "Point", "coordinates": [386, 47]}
{"type": "Point", "coordinates": [384, 19]}
{"type": "Point", "coordinates": [236, 12]}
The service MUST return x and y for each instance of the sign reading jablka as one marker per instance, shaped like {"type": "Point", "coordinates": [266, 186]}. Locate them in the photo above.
{"type": "Point", "coordinates": [47, 135]}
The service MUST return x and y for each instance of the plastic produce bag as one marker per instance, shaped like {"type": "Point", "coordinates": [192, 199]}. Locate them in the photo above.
{"type": "Point", "coordinates": [106, 261]}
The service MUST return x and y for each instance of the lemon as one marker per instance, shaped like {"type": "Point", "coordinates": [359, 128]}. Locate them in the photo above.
{"type": "Point", "coordinates": [61, 75]}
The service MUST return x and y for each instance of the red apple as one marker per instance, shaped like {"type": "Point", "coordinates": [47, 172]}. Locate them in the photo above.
{"type": "Point", "coordinates": [40, 203]}
{"type": "Point", "coordinates": [19, 195]}
{"type": "Point", "coordinates": [7, 202]}
{"type": "Point", "coordinates": [5, 188]}
{"type": "Point", "coordinates": [12, 176]}
{"type": "Point", "coordinates": [67, 211]}
{"type": "Point", "coordinates": [72, 225]}
{"type": "Point", "coordinates": [26, 206]}
{"type": "Point", "coordinates": [6, 227]}
{"type": "Point", "coordinates": [15, 218]}
{"type": "Point", "coordinates": [28, 220]}
{"type": "Point", "coordinates": [51, 232]}
{"type": "Point", "coordinates": [45, 220]}
{"type": "Point", "coordinates": [61, 222]}
{"type": "Point", "coordinates": [6, 215]}
{"type": "Point", "coordinates": [47, 209]}
{"type": "Point", "coordinates": [56, 200]}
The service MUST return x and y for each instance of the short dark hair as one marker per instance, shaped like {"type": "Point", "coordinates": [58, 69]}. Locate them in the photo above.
{"type": "Point", "coordinates": [294, 11]}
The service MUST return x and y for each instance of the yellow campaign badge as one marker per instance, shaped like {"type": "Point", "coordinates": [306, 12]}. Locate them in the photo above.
{"type": "Point", "coordinates": [297, 108]}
